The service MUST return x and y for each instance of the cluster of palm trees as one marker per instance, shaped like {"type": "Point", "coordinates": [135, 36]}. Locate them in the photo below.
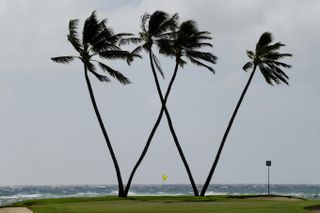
{"type": "Point", "coordinates": [180, 41]}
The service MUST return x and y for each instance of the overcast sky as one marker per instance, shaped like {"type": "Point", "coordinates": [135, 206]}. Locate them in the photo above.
{"type": "Point", "coordinates": [49, 133]}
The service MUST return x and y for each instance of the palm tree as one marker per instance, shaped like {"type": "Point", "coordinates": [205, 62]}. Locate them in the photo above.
{"type": "Point", "coordinates": [266, 57]}
{"type": "Point", "coordinates": [185, 44]}
{"type": "Point", "coordinates": [97, 40]}
{"type": "Point", "coordinates": [154, 27]}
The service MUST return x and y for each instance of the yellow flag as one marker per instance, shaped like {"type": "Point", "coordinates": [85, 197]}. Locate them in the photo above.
{"type": "Point", "coordinates": [164, 177]}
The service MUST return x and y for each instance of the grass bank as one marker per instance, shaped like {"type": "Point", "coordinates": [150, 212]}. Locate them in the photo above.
{"type": "Point", "coordinates": [169, 204]}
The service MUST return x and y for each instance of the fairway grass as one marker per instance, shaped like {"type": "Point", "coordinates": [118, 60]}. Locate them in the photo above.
{"type": "Point", "coordinates": [170, 204]}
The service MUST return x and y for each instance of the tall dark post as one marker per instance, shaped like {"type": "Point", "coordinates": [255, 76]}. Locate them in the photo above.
{"type": "Point", "coordinates": [268, 164]}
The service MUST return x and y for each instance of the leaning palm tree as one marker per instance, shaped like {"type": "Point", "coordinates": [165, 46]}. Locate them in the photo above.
{"type": "Point", "coordinates": [185, 44]}
{"type": "Point", "coordinates": [154, 27]}
{"type": "Point", "coordinates": [266, 57]}
{"type": "Point", "coordinates": [97, 40]}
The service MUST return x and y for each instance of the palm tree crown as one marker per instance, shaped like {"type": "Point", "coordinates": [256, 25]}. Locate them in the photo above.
{"type": "Point", "coordinates": [153, 27]}
{"type": "Point", "coordinates": [185, 43]}
{"type": "Point", "coordinates": [267, 57]}
{"type": "Point", "coordinates": [97, 39]}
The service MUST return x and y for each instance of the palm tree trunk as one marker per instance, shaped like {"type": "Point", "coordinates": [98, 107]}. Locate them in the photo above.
{"type": "Point", "coordinates": [114, 159]}
{"type": "Point", "coordinates": [206, 185]}
{"type": "Point", "coordinates": [144, 152]}
{"type": "Point", "coordinates": [153, 131]}
{"type": "Point", "coordinates": [185, 163]}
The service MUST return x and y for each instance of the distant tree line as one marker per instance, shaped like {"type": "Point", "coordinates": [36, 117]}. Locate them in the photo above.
{"type": "Point", "coordinates": [180, 41]}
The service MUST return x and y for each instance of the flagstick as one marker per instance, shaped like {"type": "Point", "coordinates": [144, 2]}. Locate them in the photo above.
{"type": "Point", "coordinates": [164, 178]}
{"type": "Point", "coordinates": [162, 184]}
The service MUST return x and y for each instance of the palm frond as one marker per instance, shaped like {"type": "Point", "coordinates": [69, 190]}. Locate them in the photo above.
{"type": "Point", "coordinates": [116, 38]}
{"type": "Point", "coordinates": [155, 21]}
{"type": "Point", "coordinates": [157, 64]}
{"type": "Point", "coordinates": [199, 63]}
{"type": "Point", "coordinates": [193, 41]}
{"type": "Point", "coordinates": [277, 63]}
{"type": "Point", "coordinates": [166, 47]}
{"type": "Point", "coordinates": [91, 29]}
{"type": "Point", "coordinates": [265, 39]}
{"type": "Point", "coordinates": [115, 54]}
{"type": "Point", "coordinates": [168, 35]}
{"type": "Point", "coordinates": [103, 43]}
{"type": "Point", "coordinates": [76, 44]}
{"type": "Point", "coordinates": [63, 59]}
{"type": "Point", "coordinates": [104, 46]}
{"type": "Point", "coordinates": [132, 40]}
{"type": "Point", "coordinates": [101, 78]}
{"type": "Point", "coordinates": [169, 24]}
{"type": "Point", "coordinates": [121, 35]}
{"type": "Point", "coordinates": [73, 27]}
{"type": "Point", "coordinates": [114, 73]}
{"type": "Point", "coordinates": [90, 66]}
{"type": "Point", "coordinates": [134, 53]}
{"type": "Point", "coordinates": [73, 34]}
{"type": "Point", "coordinates": [266, 73]}
{"type": "Point", "coordinates": [197, 45]}
{"type": "Point", "coordinates": [190, 37]}
{"type": "Point", "coordinates": [196, 37]}
{"type": "Point", "coordinates": [189, 27]}
{"type": "Point", "coordinates": [205, 56]}
{"type": "Point", "coordinates": [276, 55]}
{"type": "Point", "coordinates": [203, 33]}
{"type": "Point", "coordinates": [273, 74]}
{"type": "Point", "coordinates": [105, 39]}
{"type": "Point", "coordinates": [250, 54]}
{"type": "Point", "coordinates": [247, 66]}
{"type": "Point", "coordinates": [137, 50]}
{"type": "Point", "coordinates": [279, 74]}
{"type": "Point", "coordinates": [273, 47]}
{"type": "Point", "coordinates": [144, 22]}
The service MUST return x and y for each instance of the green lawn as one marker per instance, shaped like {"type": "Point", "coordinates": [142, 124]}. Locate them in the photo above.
{"type": "Point", "coordinates": [185, 204]}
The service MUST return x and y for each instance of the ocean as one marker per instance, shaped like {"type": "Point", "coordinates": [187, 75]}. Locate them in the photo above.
{"type": "Point", "coordinates": [11, 194]}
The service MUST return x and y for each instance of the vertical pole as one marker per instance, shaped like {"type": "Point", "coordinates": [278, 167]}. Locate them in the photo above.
{"type": "Point", "coordinates": [163, 186]}
{"type": "Point", "coordinates": [268, 164]}
{"type": "Point", "coordinates": [268, 180]}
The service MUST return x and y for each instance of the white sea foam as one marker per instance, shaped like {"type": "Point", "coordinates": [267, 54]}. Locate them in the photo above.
{"type": "Point", "coordinates": [216, 193]}
{"type": "Point", "coordinates": [28, 196]}
{"type": "Point", "coordinates": [84, 194]}
{"type": "Point", "coordinates": [114, 192]}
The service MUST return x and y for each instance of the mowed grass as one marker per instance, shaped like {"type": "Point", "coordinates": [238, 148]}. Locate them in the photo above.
{"type": "Point", "coordinates": [157, 204]}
